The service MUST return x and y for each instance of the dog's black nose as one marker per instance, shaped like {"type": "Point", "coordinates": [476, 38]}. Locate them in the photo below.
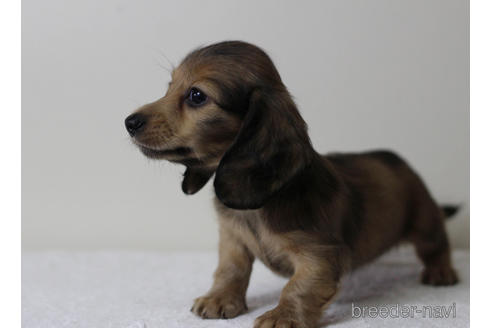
{"type": "Point", "coordinates": [134, 123]}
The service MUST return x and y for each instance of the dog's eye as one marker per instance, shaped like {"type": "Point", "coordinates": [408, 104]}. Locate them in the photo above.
{"type": "Point", "coordinates": [196, 97]}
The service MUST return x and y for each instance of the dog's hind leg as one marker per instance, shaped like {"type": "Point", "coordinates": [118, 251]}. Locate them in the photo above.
{"type": "Point", "coordinates": [431, 243]}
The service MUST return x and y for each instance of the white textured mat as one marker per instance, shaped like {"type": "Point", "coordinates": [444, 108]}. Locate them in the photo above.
{"type": "Point", "coordinates": [137, 290]}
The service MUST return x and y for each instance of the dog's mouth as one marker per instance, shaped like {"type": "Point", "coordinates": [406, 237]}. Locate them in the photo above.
{"type": "Point", "coordinates": [165, 153]}
{"type": "Point", "coordinates": [177, 151]}
{"type": "Point", "coordinates": [180, 155]}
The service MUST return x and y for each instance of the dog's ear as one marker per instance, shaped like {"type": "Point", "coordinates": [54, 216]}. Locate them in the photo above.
{"type": "Point", "coordinates": [270, 148]}
{"type": "Point", "coordinates": [194, 179]}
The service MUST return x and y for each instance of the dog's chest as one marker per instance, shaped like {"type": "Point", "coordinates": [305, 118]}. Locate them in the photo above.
{"type": "Point", "coordinates": [270, 248]}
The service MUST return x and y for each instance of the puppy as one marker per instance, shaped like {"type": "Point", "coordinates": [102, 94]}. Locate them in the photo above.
{"type": "Point", "coordinates": [306, 216]}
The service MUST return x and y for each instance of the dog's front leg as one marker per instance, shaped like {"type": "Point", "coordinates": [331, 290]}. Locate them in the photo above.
{"type": "Point", "coordinates": [311, 288]}
{"type": "Point", "coordinates": [226, 298]}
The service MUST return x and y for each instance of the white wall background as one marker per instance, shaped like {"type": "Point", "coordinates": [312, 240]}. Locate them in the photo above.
{"type": "Point", "coordinates": [365, 74]}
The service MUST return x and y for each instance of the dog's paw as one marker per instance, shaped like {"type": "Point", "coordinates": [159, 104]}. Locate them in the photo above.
{"type": "Point", "coordinates": [219, 306]}
{"type": "Point", "coordinates": [439, 276]}
{"type": "Point", "coordinates": [280, 318]}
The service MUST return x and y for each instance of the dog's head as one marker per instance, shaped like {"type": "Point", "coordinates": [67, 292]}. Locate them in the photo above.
{"type": "Point", "coordinates": [226, 111]}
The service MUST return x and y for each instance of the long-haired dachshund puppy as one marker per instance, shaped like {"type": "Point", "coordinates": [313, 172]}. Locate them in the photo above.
{"type": "Point", "coordinates": [306, 216]}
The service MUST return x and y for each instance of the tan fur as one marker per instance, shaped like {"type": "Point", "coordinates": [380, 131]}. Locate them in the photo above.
{"type": "Point", "coordinates": [171, 123]}
{"type": "Point", "coordinates": [291, 255]}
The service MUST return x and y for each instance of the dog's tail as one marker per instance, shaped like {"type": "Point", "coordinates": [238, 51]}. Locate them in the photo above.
{"type": "Point", "coordinates": [449, 210]}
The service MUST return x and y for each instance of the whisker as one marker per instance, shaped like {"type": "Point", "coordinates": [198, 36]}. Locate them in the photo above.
{"type": "Point", "coordinates": [163, 67]}
{"type": "Point", "coordinates": [168, 60]}
{"type": "Point", "coordinates": [162, 54]}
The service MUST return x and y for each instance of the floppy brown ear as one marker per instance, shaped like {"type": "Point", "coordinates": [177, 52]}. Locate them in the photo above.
{"type": "Point", "coordinates": [271, 147]}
